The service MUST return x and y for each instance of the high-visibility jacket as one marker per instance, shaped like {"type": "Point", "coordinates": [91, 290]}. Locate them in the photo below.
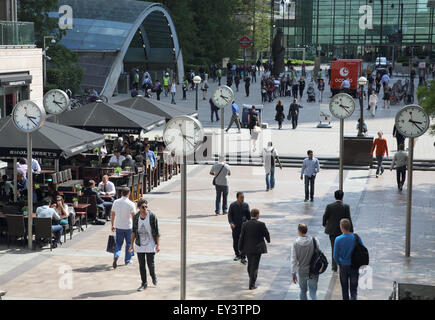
{"type": "Point", "coordinates": [166, 81]}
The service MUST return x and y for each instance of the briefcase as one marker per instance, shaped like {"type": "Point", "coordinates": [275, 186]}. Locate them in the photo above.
{"type": "Point", "coordinates": [111, 244]}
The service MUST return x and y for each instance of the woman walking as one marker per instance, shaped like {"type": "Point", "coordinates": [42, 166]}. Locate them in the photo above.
{"type": "Point", "coordinates": [204, 88]}
{"type": "Point", "coordinates": [301, 87]}
{"type": "Point", "coordinates": [173, 91]}
{"type": "Point", "coordinates": [373, 101]}
{"type": "Point", "coordinates": [279, 114]}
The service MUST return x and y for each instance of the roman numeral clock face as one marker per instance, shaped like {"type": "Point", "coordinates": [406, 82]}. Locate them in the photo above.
{"type": "Point", "coordinates": [28, 116]}
{"type": "Point", "coordinates": [412, 121]}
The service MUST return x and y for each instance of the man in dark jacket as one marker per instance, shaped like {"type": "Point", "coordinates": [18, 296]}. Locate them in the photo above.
{"type": "Point", "coordinates": [129, 162]}
{"type": "Point", "coordinates": [247, 85]}
{"type": "Point", "coordinates": [252, 244]}
{"type": "Point", "coordinates": [293, 112]}
{"type": "Point", "coordinates": [334, 212]}
{"type": "Point", "coordinates": [104, 206]}
{"type": "Point", "coordinates": [237, 215]}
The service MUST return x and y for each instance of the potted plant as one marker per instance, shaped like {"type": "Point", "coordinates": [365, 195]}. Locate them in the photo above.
{"type": "Point", "coordinates": [78, 188]}
{"type": "Point", "coordinates": [94, 163]}
{"type": "Point", "coordinates": [75, 202]}
{"type": "Point", "coordinates": [118, 171]}
{"type": "Point", "coordinates": [96, 150]}
{"type": "Point", "coordinates": [128, 168]}
{"type": "Point", "coordinates": [25, 211]}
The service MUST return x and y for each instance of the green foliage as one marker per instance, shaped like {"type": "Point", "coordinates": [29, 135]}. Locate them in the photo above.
{"type": "Point", "coordinates": [426, 98]}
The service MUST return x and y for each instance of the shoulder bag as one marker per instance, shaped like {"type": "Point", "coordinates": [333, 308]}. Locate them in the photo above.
{"type": "Point", "coordinates": [214, 179]}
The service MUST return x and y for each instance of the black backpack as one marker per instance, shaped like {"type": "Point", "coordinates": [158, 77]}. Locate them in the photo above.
{"type": "Point", "coordinates": [318, 263]}
{"type": "Point", "coordinates": [360, 254]}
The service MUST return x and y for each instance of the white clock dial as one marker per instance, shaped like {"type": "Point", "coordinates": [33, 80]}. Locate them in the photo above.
{"type": "Point", "coordinates": [342, 105]}
{"type": "Point", "coordinates": [412, 121]}
{"type": "Point", "coordinates": [56, 101]}
{"type": "Point", "coordinates": [28, 116]}
{"type": "Point", "coordinates": [222, 96]}
{"type": "Point", "coordinates": [183, 135]}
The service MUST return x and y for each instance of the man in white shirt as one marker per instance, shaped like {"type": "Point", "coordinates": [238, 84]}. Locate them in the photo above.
{"type": "Point", "coordinates": [22, 166]}
{"type": "Point", "coordinates": [117, 158]}
{"type": "Point", "coordinates": [269, 157]}
{"type": "Point", "coordinates": [45, 211]}
{"type": "Point", "coordinates": [36, 168]}
{"type": "Point", "coordinates": [123, 210]}
{"type": "Point", "coordinates": [107, 187]}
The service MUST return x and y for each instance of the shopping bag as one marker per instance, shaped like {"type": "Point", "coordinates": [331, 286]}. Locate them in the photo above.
{"type": "Point", "coordinates": [111, 244]}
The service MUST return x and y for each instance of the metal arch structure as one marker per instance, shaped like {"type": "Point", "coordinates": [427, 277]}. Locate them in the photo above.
{"type": "Point", "coordinates": [117, 66]}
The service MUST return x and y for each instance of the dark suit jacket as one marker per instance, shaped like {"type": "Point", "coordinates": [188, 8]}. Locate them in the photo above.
{"type": "Point", "coordinates": [128, 163]}
{"type": "Point", "coordinates": [90, 192]}
{"type": "Point", "coordinates": [237, 214]}
{"type": "Point", "coordinates": [252, 237]}
{"type": "Point", "coordinates": [334, 212]}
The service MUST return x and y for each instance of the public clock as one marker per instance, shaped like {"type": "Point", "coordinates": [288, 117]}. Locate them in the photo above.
{"type": "Point", "coordinates": [56, 101]}
{"type": "Point", "coordinates": [222, 96]}
{"type": "Point", "coordinates": [28, 116]}
{"type": "Point", "coordinates": [342, 105]}
{"type": "Point", "coordinates": [412, 121]}
{"type": "Point", "coordinates": [183, 135]}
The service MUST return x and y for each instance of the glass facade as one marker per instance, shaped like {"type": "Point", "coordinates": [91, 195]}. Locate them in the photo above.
{"type": "Point", "coordinates": [16, 33]}
{"type": "Point", "coordinates": [360, 28]}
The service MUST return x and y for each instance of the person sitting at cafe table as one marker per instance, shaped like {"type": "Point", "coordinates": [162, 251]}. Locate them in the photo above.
{"type": "Point", "coordinates": [149, 155]}
{"type": "Point", "coordinates": [6, 189]}
{"type": "Point", "coordinates": [107, 187]}
{"type": "Point", "coordinates": [21, 183]}
{"type": "Point", "coordinates": [22, 166]}
{"type": "Point", "coordinates": [36, 168]}
{"type": "Point", "coordinates": [62, 210]}
{"type": "Point", "coordinates": [117, 158]}
{"type": "Point", "coordinates": [129, 162]}
{"type": "Point", "coordinates": [45, 211]}
{"type": "Point", "coordinates": [104, 205]}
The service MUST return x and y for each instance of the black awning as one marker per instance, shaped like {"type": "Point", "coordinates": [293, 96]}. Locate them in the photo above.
{"type": "Point", "coordinates": [15, 79]}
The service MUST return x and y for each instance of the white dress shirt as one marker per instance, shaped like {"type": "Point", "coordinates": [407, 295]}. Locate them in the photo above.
{"type": "Point", "coordinates": [117, 160]}
{"type": "Point", "coordinates": [108, 188]}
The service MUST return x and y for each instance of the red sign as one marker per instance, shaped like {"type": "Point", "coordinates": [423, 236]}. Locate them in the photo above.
{"type": "Point", "coordinates": [245, 42]}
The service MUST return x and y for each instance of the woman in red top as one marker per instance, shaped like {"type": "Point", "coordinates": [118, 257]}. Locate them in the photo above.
{"type": "Point", "coordinates": [381, 147]}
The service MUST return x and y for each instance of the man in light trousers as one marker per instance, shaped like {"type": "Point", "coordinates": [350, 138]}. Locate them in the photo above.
{"type": "Point", "coordinates": [235, 116]}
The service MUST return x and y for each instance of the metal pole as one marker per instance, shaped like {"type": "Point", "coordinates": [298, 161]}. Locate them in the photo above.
{"type": "Point", "coordinates": [222, 157]}
{"type": "Point", "coordinates": [29, 192]}
{"type": "Point", "coordinates": [361, 117]}
{"type": "Point", "coordinates": [15, 180]}
{"type": "Point", "coordinates": [183, 227]}
{"type": "Point", "coordinates": [340, 173]}
{"type": "Point", "coordinates": [382, 22]}
{"type": "Point", "coordinates": [244, 63]}
{"type": "Point", "coordinates": [196, 100]}
{"type": "Point", "coordinates": [409, 198]}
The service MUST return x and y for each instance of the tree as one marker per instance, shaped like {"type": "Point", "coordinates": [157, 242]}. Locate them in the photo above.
{"type": "Point", "coordinates": [426, 98]}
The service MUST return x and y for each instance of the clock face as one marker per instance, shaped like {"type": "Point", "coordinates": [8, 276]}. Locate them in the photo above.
{"type": "Point", "coordinates": [412, 121]}
{"type": "Point", "coordinates": [28, 116]}
{"type": "Point", "coordinates": [342, 105]}
{"type": "Point", "coordinates": [183, 135]}
{"type": "Point", "coordinates": [222, 96]}
{"type": "Point", "coordinates": [56, 101]}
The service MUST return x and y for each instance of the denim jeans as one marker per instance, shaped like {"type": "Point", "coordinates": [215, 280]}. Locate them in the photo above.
{"type": "Point", "coordinates": [401, 175]}
{"type": "Point", "coordinates": [57, 231]}
{"type": "Point", "coordinates": [122, 234]}
{"type": "Point", "coordinates": [380, 160]}
{"type": "Point", "coordinates": [349, 281]}
{"type": "Point", "coordinates": [173, 97]}
{"type": "Point", "coordinates": [305, 283]}
{"type": "Point", "coordinates": [309, 181]}
{"type": "Point", "coordinates": [270, 179]}
{"type": "Point", "coordinates": [221, 190]}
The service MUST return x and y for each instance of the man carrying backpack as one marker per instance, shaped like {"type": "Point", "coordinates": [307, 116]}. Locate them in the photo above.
{"type": "Point", "coordinates": [302, 253]}
{"type": "Point", "coordinates": [346, 251]}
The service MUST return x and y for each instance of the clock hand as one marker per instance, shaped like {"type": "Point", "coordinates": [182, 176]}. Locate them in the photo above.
{"type": "Point", "coordinates": [415, 121]}
{"type": "Point", "coordinates": [30, 118]}
{"type": "Point", "coordinates": [417, 126]}
{"type": "Point", "coordinates": [225, 98]}
{"type": "Point", "coordinates": [344, 106]}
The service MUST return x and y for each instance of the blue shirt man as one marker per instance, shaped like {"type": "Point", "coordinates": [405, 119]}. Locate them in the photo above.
{"type": "Point", "coordinates": [235, 108]}
{"type": "Point", "coordinates": [310, 167]}
{"type": "Point", "coordinates": [45, 211]}
{"type": "Point", "coordinates": [149, 155]}
{"type": "Point", "coordinates": [234, 117]}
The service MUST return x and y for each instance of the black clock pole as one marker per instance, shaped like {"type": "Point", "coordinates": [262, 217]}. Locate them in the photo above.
{"type": "Point", "coordinates": [409, 198]}
{"type": "Point", "coordinates": [29, 192]}
{"type": "Point", "coordinates": [340, 172]}
{"type": "Point", "coordinates": [183, 223]}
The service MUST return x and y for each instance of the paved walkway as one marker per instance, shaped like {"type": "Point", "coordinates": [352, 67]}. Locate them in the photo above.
{"type": "Point", "coordinates": [211, 272]}
{"type": "Point", "coordinates": [324, 142]}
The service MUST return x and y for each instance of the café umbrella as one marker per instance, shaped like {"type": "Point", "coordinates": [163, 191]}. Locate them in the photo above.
{"type": "Point", "coordinates": [102, 117]}
{"type": "Point", "coordinates": [156, 107]}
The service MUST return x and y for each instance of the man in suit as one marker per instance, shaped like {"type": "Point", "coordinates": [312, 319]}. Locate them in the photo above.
{"type": "Point", "coordinates": [334, 212]}
{"type": "Point", "coordinates": [252, 244]}
{"type": "Point", "coordinates": [237, 215]}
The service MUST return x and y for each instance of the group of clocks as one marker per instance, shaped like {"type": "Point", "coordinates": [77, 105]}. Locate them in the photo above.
{"type": "Point", "coordinates": [411, 121]}
{"type": "Point", "coordinates": [29, 116]}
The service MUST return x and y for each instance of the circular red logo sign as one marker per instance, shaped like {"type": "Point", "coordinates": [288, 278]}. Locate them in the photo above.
{"type": "Point", "coordinates": [245, 42]}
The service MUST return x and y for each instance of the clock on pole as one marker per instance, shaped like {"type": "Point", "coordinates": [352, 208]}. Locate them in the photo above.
{"type": "Point", "coordinates": [56, 101]}
{"type": "Point", "coordinates": [222, 97]}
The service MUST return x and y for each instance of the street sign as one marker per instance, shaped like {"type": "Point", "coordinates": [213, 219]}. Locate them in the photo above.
{"type": "Point", "coordinates": [245, 42]}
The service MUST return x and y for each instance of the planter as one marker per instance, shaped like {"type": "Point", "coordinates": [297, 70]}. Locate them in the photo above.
{"type": "Point", "coordinates": [76, 203]}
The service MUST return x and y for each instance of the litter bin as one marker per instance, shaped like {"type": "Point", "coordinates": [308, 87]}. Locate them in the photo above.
{"type": "Point", "coordinates": [124, 83]}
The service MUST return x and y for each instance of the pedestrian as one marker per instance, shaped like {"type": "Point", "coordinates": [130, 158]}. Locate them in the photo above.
{"type": "Point", "coordinates": [247, 85]}
{"type": "Point", "coordinates": [334, 212]}
{"type": "Point", "coordinates": [238, 214]}
{"type": "Point", "coordinates": [252, 244]}
{"type": "Point", "coordinates": [295, 88]}
{"type": "Point", "coordinates": [381, 146]}
{"type": "Point", "coordinates": [252, 119]}
{"type": "Point", "coordinates": [400, 160]}
{"type": "Point", "coordinates": [400, 139]}
{"type": "Point", "coordinates": [234, 117]}
{"type": "Point", "coordinates": [310, 168]}
{"type": "Point", "coordinates": [301, 86]}
{"type": "Point", "coordinates": [387, 96]}
{"type": "Point", "coordinates": [293, 112]}
{"type": "Point", "coordinates": [219, 75]}
{"type": "Point", "coordinates": [158, 88]}
{"type": "Point", "coordinates": [254, 73]}
{"type": "Point", "coordinates": [263, 91]}
{"type": "Point", "coordinates": [373, 101]}
{"type": "Point", "coordinates": [145, 241]}
{"type": "Point", "coordinates": [184, 87]}
{"type": "Point", "coordinates": [270, 156]}
{"type": "Point", "coordinates": [220, 171]}
{"type": "Point", "coordinates": [279, 116]}
{"type": "Point", "coordinates": [282, 86]}
{"type": "Point", "coordinates": [237, 81]}
{"type": "Point", "coordinates": [47, 212]}
{"type": "Point", "coordinates": [256, 130]}
{"type": "Point", "coordinates": [321, 88]}
{"type": "Point", "coordinates": [343, 248]}
{"type": "Point", "coordinates": [166, 83]}
{"type": "Point", "coordinates": [213, 110]}
{"type": "Point", "coordinates": [271, 89]}
{"type": "Point", "coordinates": [302, 252]}
{"type": "Point", "coordinates": [378, 82]}
{"type": "Point", "coordinates": [204, 88]}
{"type": "Point", "coordinates": [123, 210]}
{"type": "Point", "coordinates": [136, 79]}
{"type": "Point", "coordinates": [364, 127]}
{"type": "Point", "coordinates": [173, 91]}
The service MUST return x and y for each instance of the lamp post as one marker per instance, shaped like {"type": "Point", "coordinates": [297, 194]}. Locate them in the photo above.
{"type": "Point", "coordinates": [46, 57]}
{"type": "Point", "coordinates": [362, 81]}
{"type": "Point", "coordinates": [196, 81]}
